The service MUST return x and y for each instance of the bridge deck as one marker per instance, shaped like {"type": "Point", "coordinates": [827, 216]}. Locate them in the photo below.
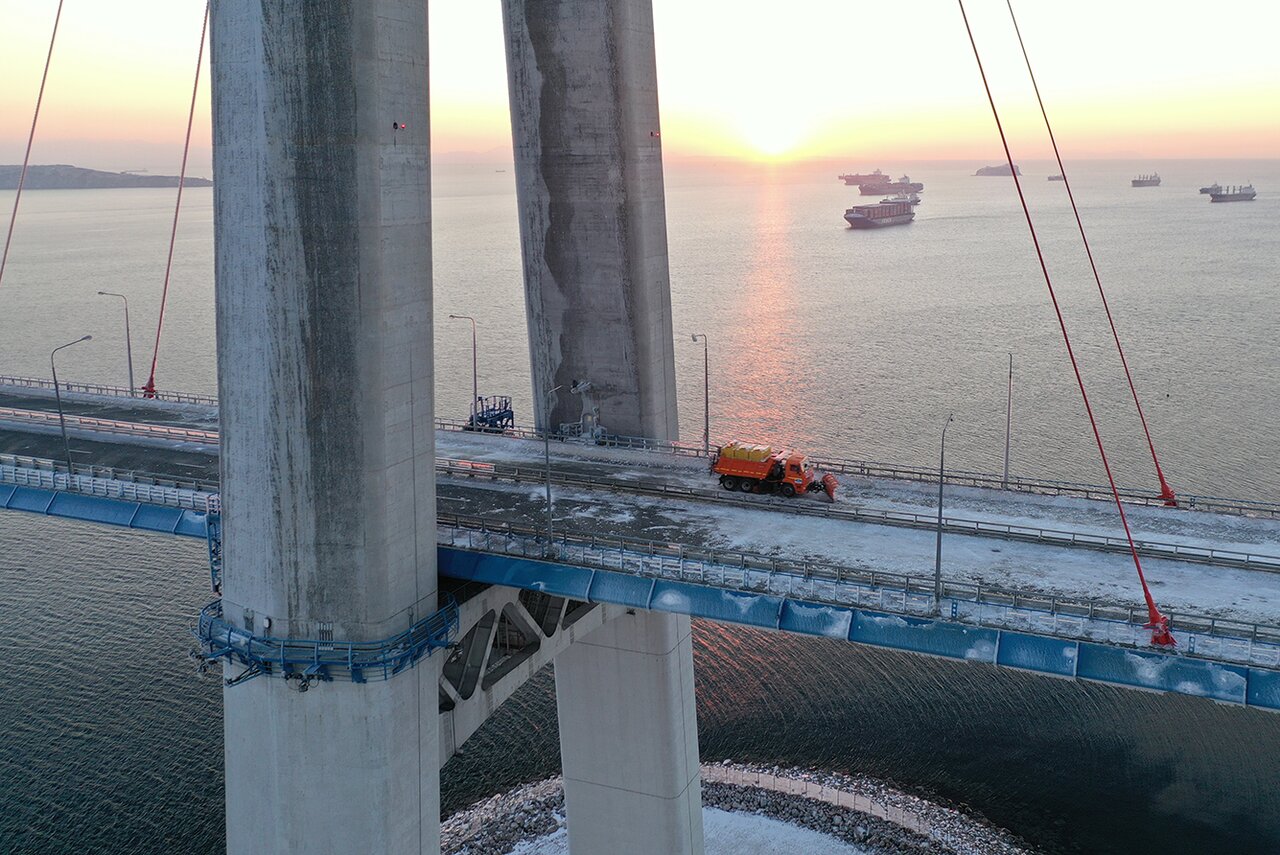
{"type": "Point", "coordinates": [764, 525]}
{"type": "Point", "coordinates": [660, 496]}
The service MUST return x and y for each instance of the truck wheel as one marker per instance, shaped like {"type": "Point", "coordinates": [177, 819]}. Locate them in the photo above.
{"type": "Point", "coordinates": [747, 485]}
{"type": "Point", "coordinates": [728, 482]}
{"type": "Point", "coordinates": [788, 490]}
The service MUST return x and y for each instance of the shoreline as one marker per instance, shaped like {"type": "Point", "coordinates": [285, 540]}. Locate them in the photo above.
{"type": "Point", "coordinates": [864, 812]}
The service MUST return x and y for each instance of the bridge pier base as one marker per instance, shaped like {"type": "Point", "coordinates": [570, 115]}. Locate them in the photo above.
{"type": "Point", "coordinates": [629, 738]}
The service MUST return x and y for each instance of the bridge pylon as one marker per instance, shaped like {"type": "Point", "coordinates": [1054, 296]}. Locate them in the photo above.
{"type": "Point", "coordinates": [325, 378]}
{"type": "Point", "coordinates": [584, 113]}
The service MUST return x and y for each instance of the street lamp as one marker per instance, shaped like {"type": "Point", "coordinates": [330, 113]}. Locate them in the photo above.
{"type": "Point", "coordinates": [1008, 423]}
{"type": "Point", "coordinates": [475, 375]}
{"type": "Point", "coordinates": [62, 421]}
{"type": "Point", "coordinates": [546, 453]}
{"type": "Point", "coordinates": [128, 339]}
{"type": "Point", "coordinates": [706, 392]}
{"type": "Point", "coordinates": [937, 561]}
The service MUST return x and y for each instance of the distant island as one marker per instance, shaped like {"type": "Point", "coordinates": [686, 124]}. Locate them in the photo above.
{"type": "Point", "coordinates": [60, 176]}
{"type": "Point", "coordinates": [1002, 169]}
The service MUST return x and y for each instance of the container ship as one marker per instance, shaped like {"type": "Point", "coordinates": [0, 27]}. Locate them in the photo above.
{"type": "Point", "coordinates": [880, 215]}
{"type": "Point", "coordinates": [902, 185]}
{"type": "Point", "coordinates": [855, 178]}
{"type": "Point", "coordinates": [1234, 194]}
{"type": "Point", "coordinates": [1152, 180]}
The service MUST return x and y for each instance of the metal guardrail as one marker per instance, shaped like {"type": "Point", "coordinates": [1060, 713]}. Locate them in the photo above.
{"type": "Point", "coordinates": [109, 488]}
{"type": "Point", "coordinates": [876, 516]}
{"type": "Point", "coordinates": [44, 464]}
{"type": "Point", "coordinates": [203, 496]}
{"type": "Point", "coordinates": [322, 660]}
{"type": "Point", "coordinates": [113, 426]}
{"type": "Point", "coordinates": [901, 472]}
{"type": "Point", "coordinates": [907, 594]}
{"type": "Point", "coordinates": [864, 468]}
{"type": "Point", "coordinates": [107, 391]}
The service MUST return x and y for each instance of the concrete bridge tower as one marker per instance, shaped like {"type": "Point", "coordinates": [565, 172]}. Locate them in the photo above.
{"type": "Point", "coordinates": [584, 114]}
{"type": "Point", "coordinates": [323, 270]}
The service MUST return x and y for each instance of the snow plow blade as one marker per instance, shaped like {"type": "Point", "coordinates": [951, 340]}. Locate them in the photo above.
{"type": "Point", "coordinates": [829, 484]}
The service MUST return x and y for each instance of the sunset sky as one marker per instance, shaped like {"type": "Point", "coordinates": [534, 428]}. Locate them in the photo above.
{"type": "Point", "coordinates": [742, 79]}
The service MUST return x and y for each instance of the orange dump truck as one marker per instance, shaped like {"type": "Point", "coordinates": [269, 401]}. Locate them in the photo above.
{"type": "Point", "coordinates": [759, 468]}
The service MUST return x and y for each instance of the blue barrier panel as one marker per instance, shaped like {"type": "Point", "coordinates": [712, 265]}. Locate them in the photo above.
{"type": "Point", "coordinates": [1264, 689]}
{"type": "Point", "coordinates": [514, 572]}
{"type": "Point", "coordinates": [155, 519]}
{"type": "Point", "coordinates": [103, 510]}
{"type": "Point", "coordinates": [815, 619]}
{"type": "Point", "coordinates": [1162, 672]}
{"type": "Point", "coordinates": [924, 635]}
{"type": "Point", "coordinates": [624, 590]}
{"type": "Point", "coordinates": [30, 499]}
{"type": "Point", "coordinates": [1037, 653]}
{"type": "Point", "coordinates": [716, 604]}
{"type": "Point", "coordinates": [96, 509]}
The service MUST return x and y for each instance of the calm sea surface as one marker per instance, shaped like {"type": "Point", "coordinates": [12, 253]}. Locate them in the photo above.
{"type": "Point", "coordinates": [854, 343]}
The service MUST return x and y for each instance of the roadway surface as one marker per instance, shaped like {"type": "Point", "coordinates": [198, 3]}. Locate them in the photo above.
{"type": "Point", "coordinates": [661, 497]}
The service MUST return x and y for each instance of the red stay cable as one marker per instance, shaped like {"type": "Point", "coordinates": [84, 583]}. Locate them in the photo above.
{"type": "Point", "coordinates": [1157, 622]}
{"type": "Point", "coordinates": [26, 158]}
{"type": "Point", "coordinates": [1166, 492]}
{"type": "Point", "coordinates": [149, 390]}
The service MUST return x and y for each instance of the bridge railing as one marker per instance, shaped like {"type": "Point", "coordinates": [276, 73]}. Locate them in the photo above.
{"type": "Point", "coordinates": [110, 473]}
{"type": "Point", "coordinates": [858, 467]}
{"type": "Point", "coordinates": [110, 488]}
{"type": "Point", "coordinates": [902, 472]}
{"type": "Point", "coordinates": [104, 390]}
{"type": "Point", "coordinates": [836, 585]}
{"type": "Point", "coordinates": [877, 516]}
{"type": "Point", "coordinates": [114, 426]}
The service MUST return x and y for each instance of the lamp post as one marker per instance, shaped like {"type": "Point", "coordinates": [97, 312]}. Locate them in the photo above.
{"type": "Point", "coordinates": [1008, 423]}
{"type": "Point", "coordinates": [475, 371]}
{"type": "Point", "coordinates": [62, 421]}
{"type": "Point", "coordinates": [128, 339]}
{"type": "Point", "coordinates": [706, 392]}
{"type": "Point", "coordinates": [546, 455]}
{"type": "Point", "coordinates": [937, 560]}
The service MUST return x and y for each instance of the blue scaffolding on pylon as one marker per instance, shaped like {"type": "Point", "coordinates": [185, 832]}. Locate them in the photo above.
{"type": "Point", "coordinates": [213, 534]}
{"type": "Point", "coordinates": [313, 660]}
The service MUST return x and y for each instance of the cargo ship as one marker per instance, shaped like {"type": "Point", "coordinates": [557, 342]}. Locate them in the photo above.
{"type": "Point", "coordinates": [902, 185]}
{"type": "Point", "coordinates": [1215, 187]}
{"type": "Point", "coordinates": [909, 198]}
{"type": "Point", "coordinates": [1152, 180]}
{"type": "Point", "coordinates": [879, 215]}
{"type": "Point", "coordinates": [1234, 194]}
{"type": "Point", "coordinates": [1002, 169]}
{"type": "Point", "coordinates": [855, 178]}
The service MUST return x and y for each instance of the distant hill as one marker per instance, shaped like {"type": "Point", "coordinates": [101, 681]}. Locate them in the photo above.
{"type": "Point", "coordinates": [1002, 169]}
{"type": "Point", "coordinates": [60, 176]}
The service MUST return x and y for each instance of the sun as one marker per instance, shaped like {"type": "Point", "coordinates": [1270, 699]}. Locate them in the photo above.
{"type": "Point", "coordinates": [772, 132]}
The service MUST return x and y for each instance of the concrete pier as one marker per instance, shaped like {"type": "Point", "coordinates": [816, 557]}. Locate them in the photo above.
{"type": "Point", "coordinates": [629, 738]}
{"type": "Point", "coordinates": [323, 272]}
{"type": "Point", "coordinates": [584, 114]}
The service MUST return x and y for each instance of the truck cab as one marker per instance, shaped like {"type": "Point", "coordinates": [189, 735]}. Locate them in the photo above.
{"type": "Point", "coordinates": [797, 471]}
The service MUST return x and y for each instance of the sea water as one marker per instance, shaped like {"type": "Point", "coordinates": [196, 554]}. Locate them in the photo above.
{"type": "Point", "coordinates": [851, 343]}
